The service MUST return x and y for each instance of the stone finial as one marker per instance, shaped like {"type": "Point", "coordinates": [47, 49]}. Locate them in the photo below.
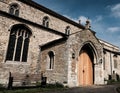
{"type": "Point", "coordinates": [79, 21]}
{"type": "Point", "coordinates": [87, 25]}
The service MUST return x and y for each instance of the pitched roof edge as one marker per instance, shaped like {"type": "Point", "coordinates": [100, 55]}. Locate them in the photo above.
{"type": "Point", "coordinates": [114, 52]}
{"type": "Point", "coordinates": [109, 43]}
{"type": "Point", "coordinates": [44, 9]}
{"type": "Point", "coordinates": [52, 43]}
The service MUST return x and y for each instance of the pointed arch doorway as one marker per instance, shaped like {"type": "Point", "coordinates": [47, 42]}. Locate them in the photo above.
{"type": "Point", "coordinates": [85, 66]}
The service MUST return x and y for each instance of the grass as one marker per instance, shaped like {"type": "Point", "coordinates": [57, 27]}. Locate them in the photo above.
{"type": "Point", "coordinates": [32, 90]}
{"type": "Point", "coordinates": [49, 88]}
{"type": "Point", "coordinates": [113, 82]}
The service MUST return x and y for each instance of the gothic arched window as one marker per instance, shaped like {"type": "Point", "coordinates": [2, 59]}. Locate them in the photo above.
{"type": "Point", "coordinates": [67, 30]}
{"type": "Point", "coordinates": [46, 21]}
{"type": "Point", "coordinates": [14, 9]}
{"type": "Point", "coordinates": [18, 43]}
{"type": "Point", "coordinates": [51, 60]}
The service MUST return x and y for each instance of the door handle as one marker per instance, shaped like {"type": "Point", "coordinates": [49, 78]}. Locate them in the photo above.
{"type": "Point", "coordinates": [83, 71]}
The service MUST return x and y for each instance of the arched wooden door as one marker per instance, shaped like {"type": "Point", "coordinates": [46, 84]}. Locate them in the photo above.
{"type": "Point", "coordinates": [85, 69]}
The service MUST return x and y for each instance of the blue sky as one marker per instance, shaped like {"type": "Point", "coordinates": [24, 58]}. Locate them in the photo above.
{"type": "Point", "coordinates": [103, 14]}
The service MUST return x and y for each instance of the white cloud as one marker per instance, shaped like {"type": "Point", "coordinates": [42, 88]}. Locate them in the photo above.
{"type": "Point", "coordinates": [114, 29]}
{"type": "Point", "coordinates": [116, 10]}
{"type": "Point", "coordinates": [102, 31]}
{"type": "Point", "coordinates": [82, 19]}
{"type": "Point", "coordinates": [95, 23]}
{"type": "Point", "coordinates": [98, 18]}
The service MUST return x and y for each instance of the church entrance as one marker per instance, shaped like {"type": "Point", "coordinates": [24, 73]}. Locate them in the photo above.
{"type": "Point", "coordinates": [85, 66]}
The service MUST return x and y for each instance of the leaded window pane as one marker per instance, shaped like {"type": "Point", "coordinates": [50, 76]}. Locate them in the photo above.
{"type": "Point", "coordinates": [18, 44]}
{"type": "Point", "coordinates": [18, 49]}
{"type": "Point", "coordinates": [25, 50]}
{"type": "Point", "coordinates": [11, 46]}
{"type": "Point", "coordinates": [14, 9]}
{"type": "Point", "coordinates": [51, 58]}
{"type": "Point", "coordinates": [17, 12]}
{"type": "Point", "coordinates": [67, 30]}
{"type": "Point", "coordinates": [46, 21]}
{"type": "Point", "coordinates": [11, 11]}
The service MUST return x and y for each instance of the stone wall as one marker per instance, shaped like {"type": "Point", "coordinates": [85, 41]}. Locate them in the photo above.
{"type": "Point", "coordinates": [35, 15]}
{"type": "Point", "coordinates": [39, 37]}
{"type": "Point", "coordinates": [74, 45]}
{"type": "Point", "coordinates": [65, 67]}
{"type": "Point", "coordinates": [109, 55]}
{"type": "Point", "coordinates": [60, 71]}
{"type": "Point", "coordinates": [63, 54]}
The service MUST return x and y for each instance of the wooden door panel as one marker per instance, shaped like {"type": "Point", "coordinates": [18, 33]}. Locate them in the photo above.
{"type": "Point", "coordinates": [85, 70]}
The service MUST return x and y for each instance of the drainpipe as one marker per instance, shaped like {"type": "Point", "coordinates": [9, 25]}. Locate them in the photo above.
{"type": "Point", "coordinates": [111, 63]}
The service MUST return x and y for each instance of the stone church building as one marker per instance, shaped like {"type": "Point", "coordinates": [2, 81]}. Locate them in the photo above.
{"type": "Point", "coordinates": [37, 42]}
